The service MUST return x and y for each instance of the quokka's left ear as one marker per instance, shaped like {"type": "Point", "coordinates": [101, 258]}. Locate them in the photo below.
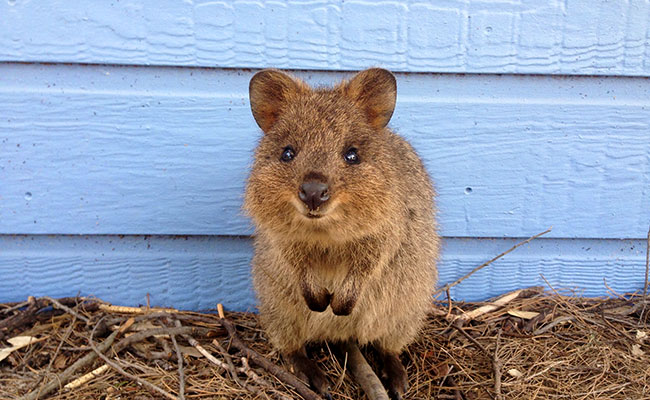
{"type": "Point", "coordinates": [374, 91]}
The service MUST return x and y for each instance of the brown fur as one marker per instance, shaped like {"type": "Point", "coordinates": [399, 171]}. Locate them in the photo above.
{"type": "Point", "coordinates": [365, 269]}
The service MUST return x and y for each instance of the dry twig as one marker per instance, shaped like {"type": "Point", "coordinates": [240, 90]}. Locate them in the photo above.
{"type": "Point", "coordinates": [67, 309]}
{"type": "Point", "coordinates": [181, 374]}
{"type": "Point", "coordinates": [258, 359]}
{"type": "Point", "coordinates": [485, 264]}
{"type": "Point", "coordinates": [119, 369]}
{"type": "Point", "coordinates": [71, 370]}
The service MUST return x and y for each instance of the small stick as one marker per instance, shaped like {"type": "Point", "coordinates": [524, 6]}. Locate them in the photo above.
{"type": "Point", "coordinates": [15, 307]}
{"type": "Point", "coordinates": [206, 353]}
{"type": "Point", "coordinates": [448, 304]}
{"type": "Point", "coordinates": [136, 337]}
{"type": "Point", "coordinates": [552, 324]}
{"type": "Point", "coordinates": [471, 339]}
{"type": "Point", "coordinates": [363, 374]}
{"type": "Point", "coordinates": [119, 369]}
{"type": "Point", "coordinates": [231, 366]}
{"type": "Point", "coordinates": [496, 365]}
{"type": "Point", "coordinates": [85, 378]}
{"type": "Point", "coordinates": [612, 291]}
{"type": "Point", "coordinates": [246, 369]}
{"type": "Point", "coordinates": [260, 360]}
{"type": "Point", "coordinates": [21, 318]}
{"type": "Point", "coordinates": [58, 348]}
{"type": "Point", "coordinates": [345, 366]}
{"type": "Point", "coordinates": [485, 264]}
{"type": "Point", "coordinates": [67, 309]}
{"type": "Point", "coordinates": [645, 286]}
{"type": "Point", "coordinates": [181, 374]}
{"type": "Point", "coordinates": [67, 374]}
{"type": "Point", "coordinates": [134, 310]}
{"type": "Point", "coordinates": [457, 393]}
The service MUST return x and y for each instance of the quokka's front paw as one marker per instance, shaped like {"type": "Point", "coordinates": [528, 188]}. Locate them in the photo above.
{"type": "Point", "coordinates": [343, 302]}
{"type": "Point", "coordinates": [317, 298]}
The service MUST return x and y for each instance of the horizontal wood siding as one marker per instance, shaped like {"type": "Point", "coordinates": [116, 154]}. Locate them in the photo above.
{"type": "Point", "coordinates": [126, 150]}
{"type": "Point", "coordinates": [595, 37]}
{"type": "Point", "coordinates": [126, 136]}
{"type": "Point", "coordinates": [197, 272]}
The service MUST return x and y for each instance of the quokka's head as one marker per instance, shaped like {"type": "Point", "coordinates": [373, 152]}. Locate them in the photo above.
{"type": "Point", "coordinates": [324, 167]}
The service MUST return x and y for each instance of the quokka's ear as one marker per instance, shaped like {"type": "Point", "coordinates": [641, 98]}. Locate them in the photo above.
{"type": "Point", "coordinates": [270, 90]}
{"type": "Point", "coordinates": [374, 91]}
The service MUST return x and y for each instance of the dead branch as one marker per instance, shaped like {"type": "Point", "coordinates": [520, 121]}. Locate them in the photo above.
{"type": "Point", "coordinates": [20, 319]}
{"type": "Point", "coordinates": [119, 369]}
{"type": "Point", "coordinates": [496, 366]}
{"type": "Point", "coordinates": [58, 348]}
{"type": "Point", "coordinates": [260, 360]}
{"type": "Point", "coordinates": [71, 370]}
{"type": "Point", "coordinates": [485, 264]}
{"type": "Point", "coordinates": [85, 378]}
{"type": "Point", "coordinates": [248, 371]}
{"type": "Point", "coordinates": [67, 309]}
{"type": "Point", "coordinates": [136, 337]}
{"type": "Point", "coordinates": [181, 374]}
{"type": "Point", "coordinates": [231, 366]}
{"type": "Point", "coordinates": [227, 366]}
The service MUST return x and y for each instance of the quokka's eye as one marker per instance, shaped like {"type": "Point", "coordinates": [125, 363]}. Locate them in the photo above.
{"type": "Point", "coordinates": [351, 156]}
{"type": "Point", "coordinates": [288, 153]}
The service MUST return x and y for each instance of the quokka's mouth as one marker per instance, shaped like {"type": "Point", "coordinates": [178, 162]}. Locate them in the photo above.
{"type": "Point", "coordinates": [313, 215]}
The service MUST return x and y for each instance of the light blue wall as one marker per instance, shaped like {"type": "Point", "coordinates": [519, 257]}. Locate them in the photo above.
{"type": "Point", "coordinates": [119, 120]}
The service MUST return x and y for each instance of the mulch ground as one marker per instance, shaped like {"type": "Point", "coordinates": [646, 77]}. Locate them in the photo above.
{"type": "Point", "coordinates": [529, 344]}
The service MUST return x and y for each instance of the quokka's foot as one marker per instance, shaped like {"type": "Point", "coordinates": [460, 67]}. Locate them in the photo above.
{"type": "Point", "coordinates": [308, 371]}
{"type": "Point", "coordinates": [394, 375]}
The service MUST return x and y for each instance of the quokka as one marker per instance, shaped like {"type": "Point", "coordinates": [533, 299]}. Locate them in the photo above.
{"type": "Point", "coordinates": [346, 243]}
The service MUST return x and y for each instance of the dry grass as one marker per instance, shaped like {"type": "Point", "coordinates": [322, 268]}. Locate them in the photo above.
{"type": "Point", "coordinates": [575, 348]}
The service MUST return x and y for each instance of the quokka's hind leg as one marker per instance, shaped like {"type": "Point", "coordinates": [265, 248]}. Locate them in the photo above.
{"type": "Point", "coordinates": [393, 373]}
{"type": "Point", "coordinates": [308, 371]}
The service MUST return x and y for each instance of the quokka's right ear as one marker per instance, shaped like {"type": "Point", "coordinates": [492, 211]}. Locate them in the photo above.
{"type": "Point", "coordinates": [270, 90]}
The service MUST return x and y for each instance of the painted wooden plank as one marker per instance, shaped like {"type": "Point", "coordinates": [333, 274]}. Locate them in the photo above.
{"type": "Point", "coordinates": [132, 150]}
{"type": "Point", "coordinates": [540, 37]}
{"type": "Point", "coordinates": [197, 272]}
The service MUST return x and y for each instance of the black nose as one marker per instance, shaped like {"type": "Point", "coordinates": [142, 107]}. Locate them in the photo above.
{"type": "Point", "coordinates": [313, 194]}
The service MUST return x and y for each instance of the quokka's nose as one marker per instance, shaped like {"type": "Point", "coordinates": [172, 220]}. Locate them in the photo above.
{"type": "Point", "coordinates": [313, 194]}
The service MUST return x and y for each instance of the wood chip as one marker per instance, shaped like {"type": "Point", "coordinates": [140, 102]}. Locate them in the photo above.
{"type": "Point", "coordinates": [515, 373]}
{"type": "Point", "coordinates": [523, 314]}
{"type": "Point", "coordinates": [636, 350]}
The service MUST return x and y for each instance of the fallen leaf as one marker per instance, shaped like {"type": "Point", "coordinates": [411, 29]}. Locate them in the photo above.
{"type": "Point", "coordinates": [636, 350]}
{"type": "Point", "coordinates": [523, 314]}
{"type": "Point", "coordinates": [60, 362]}
{"type": "Point", "coordinates": [515, 373]}
{"type": "Point", "coordinates": [442, 369]}
{"type": "Point", "coordinates": [17, 342]}
{"type": "Point", "coordinates": [641, 335]}
{"type": "Point", "coordinates": [190, 351]}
